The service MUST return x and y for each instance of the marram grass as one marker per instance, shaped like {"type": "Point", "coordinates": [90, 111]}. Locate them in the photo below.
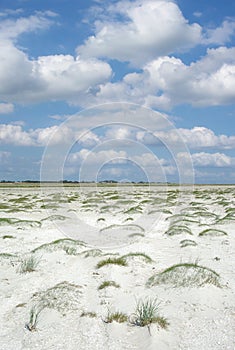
{"type": "Point", "coordinates": [185, 275]}
{"type": "Point", "coordinates": [112, 261]}
{"type": "Point", "coordinates": [106, 284]}
{"type": "Point", "coordinates": [212, 232]}
{"type": "Point", "coordinates": [116, 316]}
{"type": "Point", "coordinates": [147, 313]}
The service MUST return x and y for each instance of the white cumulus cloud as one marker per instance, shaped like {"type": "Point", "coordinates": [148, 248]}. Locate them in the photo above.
{"type": "Point", "coordinates": [147, 29]}
{"type": "Point", "coordinates": [203, 159]}
{"type": "Point", "coordinates": [167, 81]}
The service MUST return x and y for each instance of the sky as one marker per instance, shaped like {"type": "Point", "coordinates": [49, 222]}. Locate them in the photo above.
{"type": "Point", "coordinates": [96, 90]}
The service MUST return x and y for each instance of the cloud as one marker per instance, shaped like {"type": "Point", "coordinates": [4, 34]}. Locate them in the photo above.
{"type": "Point", "coordinates": [49, 78]}
{"type": "Point", "coordinates": [197, 137]}
{"type": "Point", "coordinates": [65, 76]}
{"type": "Point", "coordinates": [75, 131]}
{"type": "Point", "coordinates": [204, 159]}
{"type": "Point", "coordinates": [10, 12]}
{"type": "Point", "coordinates": [167, 81]}
{"type": "Point", "coordinates": [152, 29]}
{"type": "Point", "coordinates": [13, 28]}
{"type": "Point", "coordinates": [94, 164]}
{"type": "Point", "coordinates": [13, 134]}
{"type": "Point", "coordinates": [163, 81]}
{"type": "Point", "coordinates": [46, 78]}
{"type": "Point", "coordinates": [100, 157]}
{"type": "Point", "coordinates": [6, 108]}
{"type": "Point", "coordinates": [146, 29]}
{"type": "Point", "coordinates": [221, 35]}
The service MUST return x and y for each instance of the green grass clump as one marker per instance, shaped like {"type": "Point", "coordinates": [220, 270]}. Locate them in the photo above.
{"type": "Point", "coordinates": [230, 210]}
{"type": "Point", "coordinates": [29, 264]}
{"type": "Point", "coordinates": [116, 316]}
{"type": "Point", "coordinates": [185, 275]}
{"type": "Point", "coordinates": [7, 255]}
{"type": "Point", "coordinates": [136, 209]}
{"type": "Point", "coordinates": [69, 245]}
{"type": "Point", "coordinates": [129, 219]}
{"type": "Point", "coordinates": [17, 222]}
{"type": "Point", "coordinates": [88, 314]}
{"type": "Point", "coordinates": [213, 232]}
{"type": "Point", "coordinates": [187, 242]}
{"type": "Point", "coordinates": [178, 230]}
{"type": "Point", "coordinates": [167, 211]}
{"type": "Point", "coordinates": [142, 255]}
{"type": "Point", "coordinates": [8, 221]}
{"type": "Point", "coordinates": [116, 261]}
{"type": "Point", "coordinates": [205, 214]}
{"type": "Point", "coordinates": [136, 235]}
{"type": "Point", "coordinates": [100, 219]}
{"type": "Point", "coordinates": [106, 284]}
{"type": "Point", "coordinates": [146, 313]}
{"type": "Point", "coordinates": [91, 253]}
{"type": "Point", "coordinates": [229, 218]}
{"type": "Point", "coordinates": [7, 237]}
{"type": "Point", "coordinates": [33, 317]}
{"type": "Point", "coordinates": [55, 217]}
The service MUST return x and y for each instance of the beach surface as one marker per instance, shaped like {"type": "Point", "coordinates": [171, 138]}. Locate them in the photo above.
{"type": "Point", "coordinates": [71, 257]}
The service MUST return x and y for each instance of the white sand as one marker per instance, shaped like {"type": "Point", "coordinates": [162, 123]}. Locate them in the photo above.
{"type": "Point", "coordinates": [199, 317]}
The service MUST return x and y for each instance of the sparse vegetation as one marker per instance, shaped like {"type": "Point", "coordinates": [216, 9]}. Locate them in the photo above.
{"type": "Point", "coordinates": [116, 261]}
{"type": "Point", "coordinates": [129, 227]}
{"type": "Point", "coordinates": [7, 255]}
{"type": "Point", "coordinates": [100, 219]}
{"type": "Point", "coordinates": [106, 284]}
{"type": "Point", "coordinates": [187, 242]}
{"type": "Point", "coordinates": [142, 255]}
{"type": "Point", "coordinates": [91, 253]}
{"type": "Point", "coordinates": [29, 264]}
{"type": "Point", "coordinates": [212, 232]}
{"type": "Point", "coordinates": [33, 317]}
{"type": "Point", "coordinates": [185, 275]}
{"type": "Point", "coordinates": [116, 316]}
{"type": "Point", "coordinates": [62, 297]}
{"type": "Point", "coordinates": [178, 230]}
{"type": "Point", "coordinates": [146, 313]}
{"type": "Point", "coordinates": [88, 314]}
{"type": "Point", "coordinates": [136, 235]}
{"type": "Point", "coordinates": [70, 246]}
{"type": "Point", "coordinates": [7, 237]}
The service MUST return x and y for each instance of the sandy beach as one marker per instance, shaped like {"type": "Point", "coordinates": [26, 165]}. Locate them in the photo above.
{"type": "Point", "coordinates": [99, 251]}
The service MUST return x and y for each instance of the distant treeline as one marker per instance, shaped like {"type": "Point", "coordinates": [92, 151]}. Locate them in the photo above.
{"type": "Point", "coordinates": [70, 181]}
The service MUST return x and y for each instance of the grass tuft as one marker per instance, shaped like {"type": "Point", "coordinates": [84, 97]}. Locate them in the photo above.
{"type": "Point", "coordinates": [116, 261]}
{"type": "Point", "coordinates": [116, 316]}
{"type": "Point", "coordinates": [33, 317]}
{"type": "Point", "coordinates": [88, 314]}
{"type": "Point", "coordinates": [146, 313]}
{"type": "Point", "coordinates": [177, 230]}
{"type": "Point", "coordinates": [187, 242]}
{"type": "Point", "coordinates": [106, 284]}
{"type": "Point", "coordinates": [29, 264]}
{"type": "Point", "coordinates": [142, 255]}
{"type": "Point", "coordinates": [7, 237]}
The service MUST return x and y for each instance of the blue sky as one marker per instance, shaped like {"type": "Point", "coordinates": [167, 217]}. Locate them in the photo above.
{"type": "Point", "coordinates": [138, 90]}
